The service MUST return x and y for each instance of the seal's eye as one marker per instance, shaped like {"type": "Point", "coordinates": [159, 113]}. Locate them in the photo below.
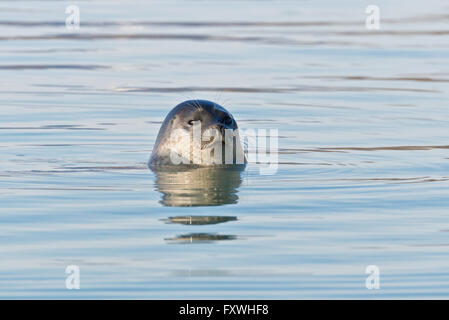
{"type": "Point", "coordinates": [227, 120]}
{"type": "Point", "coordinates": [190, 122]}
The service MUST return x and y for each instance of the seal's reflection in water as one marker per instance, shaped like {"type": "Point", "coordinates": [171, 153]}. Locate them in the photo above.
{"type": "Point", "coordinates": [199, 220]}
{"type": "Point", "coordinates": [186, 186]}
{"type": "Point", "coordinates": [199, 186]}
{"type": "Point", "coordinates": [200, 238]}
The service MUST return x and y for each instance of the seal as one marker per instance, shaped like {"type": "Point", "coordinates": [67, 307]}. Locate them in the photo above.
{"type": "Point", "coordinates": [197, 132]}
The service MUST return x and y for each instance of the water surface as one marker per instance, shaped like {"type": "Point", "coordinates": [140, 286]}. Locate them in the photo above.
{"type": "Point", "coordinates": [363, 161]}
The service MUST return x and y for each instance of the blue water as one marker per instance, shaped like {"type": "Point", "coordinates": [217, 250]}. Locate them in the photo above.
{"type": "Point", "coordinates": [363, 168]}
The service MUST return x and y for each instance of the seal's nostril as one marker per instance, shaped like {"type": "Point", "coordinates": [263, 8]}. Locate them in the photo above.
{"type": "Point", "coordinates": [227, 120]}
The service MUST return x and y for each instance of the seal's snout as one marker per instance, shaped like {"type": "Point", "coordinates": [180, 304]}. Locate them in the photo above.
{"type": "Point", "coordinates": [213, 134]}
{"type": "Point", "coordinates": [209, 140]}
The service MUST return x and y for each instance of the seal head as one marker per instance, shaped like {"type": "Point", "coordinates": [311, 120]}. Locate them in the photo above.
{"type": "Point", "coordinates": [212, 122]}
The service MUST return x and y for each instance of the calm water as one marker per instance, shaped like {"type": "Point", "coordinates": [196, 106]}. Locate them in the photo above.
{"type": "Point", "coordinates": [364, 162]}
